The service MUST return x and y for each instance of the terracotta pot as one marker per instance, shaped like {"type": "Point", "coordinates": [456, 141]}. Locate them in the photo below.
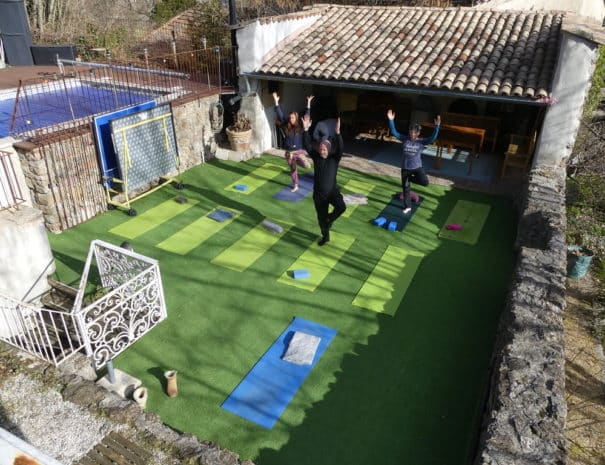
{"type": "Point", "coordinates": [171, 387]}
{"type": "Point", "coordinates": [239, 140]}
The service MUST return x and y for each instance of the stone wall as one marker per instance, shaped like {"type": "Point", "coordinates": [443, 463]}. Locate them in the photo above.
{"type": "Point", "coordinates": [195, 136]}
{"type": "Point", "coordinates": [62, 170]}
{"type": "Point", "coordinates": [525, 415]}
{"type": "Point", "coordinates": [63, 178]}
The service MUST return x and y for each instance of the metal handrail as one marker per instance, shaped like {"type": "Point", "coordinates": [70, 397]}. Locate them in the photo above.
{"type": "Point", "coordinates": [10, 191]}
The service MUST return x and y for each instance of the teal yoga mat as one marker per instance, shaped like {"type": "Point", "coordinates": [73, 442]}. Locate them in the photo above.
{"type": "Point", "coordinates": [471, 216]}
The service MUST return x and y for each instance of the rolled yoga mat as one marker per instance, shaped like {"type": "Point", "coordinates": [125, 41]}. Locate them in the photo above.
{"type": "Point", "coordinates": [318, 260]}
{"type": "Point", "coordinates": [255, 179]}
{"type": "Point", "coordinates": [387, 284]}
{"type": "Point", "coordinates": [249, 248]}
{"type": "Point", "coordinates": [192, 235]}
{"type": "Point", "coordinates": [357, 187]}
{"type": "Point", "coordinates": [471, 217]}
{"type": "Point", "coordinates": [265, 392]}
{"type": "Point", "coordinates": [151, 218]}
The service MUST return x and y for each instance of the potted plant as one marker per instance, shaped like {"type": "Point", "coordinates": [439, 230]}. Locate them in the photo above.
{"type": "Point", "coordinates": [240, 132]}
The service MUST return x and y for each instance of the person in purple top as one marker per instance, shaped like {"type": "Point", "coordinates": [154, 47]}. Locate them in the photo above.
{"type": "Point", "coordinates": [295, 154]}
{"type": "Point", "coordinates": [411, 161]}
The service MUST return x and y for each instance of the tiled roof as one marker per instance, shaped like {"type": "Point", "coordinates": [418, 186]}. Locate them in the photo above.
{"type": "Point", "coordinates": [457, 49]}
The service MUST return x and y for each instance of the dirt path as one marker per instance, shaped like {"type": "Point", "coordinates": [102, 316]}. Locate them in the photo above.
{"type": "Point", "coordinates": [585, 376]}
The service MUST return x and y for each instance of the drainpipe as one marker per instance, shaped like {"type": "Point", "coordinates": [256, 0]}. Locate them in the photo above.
{"type": "Point", "coordinates": [232, 23]}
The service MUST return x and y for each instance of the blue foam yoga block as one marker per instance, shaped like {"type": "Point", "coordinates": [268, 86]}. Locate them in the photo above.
{"type": "Point", "coordinates": [393, 226]}
{"type": "Point", "coordinates": [241, 187]}
{"type": "Point", "coordinates": [380, 221]}
{"type": "Point", "coordinates": [301, 274]}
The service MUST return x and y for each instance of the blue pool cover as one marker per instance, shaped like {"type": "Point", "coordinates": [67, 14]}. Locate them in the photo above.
{"type": "Point", "coordinates": [44, 109]}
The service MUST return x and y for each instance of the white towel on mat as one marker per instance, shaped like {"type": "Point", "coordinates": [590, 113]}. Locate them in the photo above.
{"type": "Point", "coordinates": [302, 348]}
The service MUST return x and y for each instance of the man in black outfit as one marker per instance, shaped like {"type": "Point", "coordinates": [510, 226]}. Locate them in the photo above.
{"type": "Point", "coordinates": [325, 190]}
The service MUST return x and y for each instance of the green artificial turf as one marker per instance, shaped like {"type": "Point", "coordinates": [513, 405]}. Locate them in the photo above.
{"type": "Point", "coordinates": [406, 388]}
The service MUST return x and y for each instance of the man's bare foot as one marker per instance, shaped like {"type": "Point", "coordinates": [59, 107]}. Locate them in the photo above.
{"type": "Point", "coordinates": [295, 188]}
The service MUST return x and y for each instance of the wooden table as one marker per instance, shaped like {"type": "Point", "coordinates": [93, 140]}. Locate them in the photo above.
{"type": "Point", "coordinates": [457, 136]}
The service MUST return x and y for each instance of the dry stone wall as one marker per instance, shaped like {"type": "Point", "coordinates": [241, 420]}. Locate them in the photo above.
{"type": "Point", "coordinates": [63, 175]}
{"type": "Point", "coordinates": [524, 421]}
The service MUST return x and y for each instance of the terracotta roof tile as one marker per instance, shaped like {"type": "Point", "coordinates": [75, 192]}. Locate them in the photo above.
{"type": "Point", "coordinates": [463, 49]}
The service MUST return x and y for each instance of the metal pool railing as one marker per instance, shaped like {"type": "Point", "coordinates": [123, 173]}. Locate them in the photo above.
{"type": "Point", "coordinates": [78, 91]}
{"type": "Point", "coordinates": [10, 192]}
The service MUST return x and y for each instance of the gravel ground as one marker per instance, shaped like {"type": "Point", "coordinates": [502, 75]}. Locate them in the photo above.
{"type": "Point", "coordinates": [39, 416]}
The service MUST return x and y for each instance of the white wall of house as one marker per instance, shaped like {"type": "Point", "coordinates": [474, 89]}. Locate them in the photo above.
{"type": "Point", "coordinates": [571, 83]}
{"type": "Point", "coordinates": [590, 8]}
{"type": "Point", "coordinates": [257, 39]}
{"type": "Point", "coordinates": [25, 255]}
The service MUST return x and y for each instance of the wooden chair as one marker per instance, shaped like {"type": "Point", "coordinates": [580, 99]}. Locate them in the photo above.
{"type": "Point", "coordinates": [519, 152]}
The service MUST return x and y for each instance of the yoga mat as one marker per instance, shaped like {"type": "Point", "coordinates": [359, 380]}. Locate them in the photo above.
{"type": "Point", "coordinates": [256, 178]}
{"type": "Point", "coordinates": [387, 284]}
{"type": "Point", "coordinates": [318, 260]}
{"type": "Point", "coordinates": [471, 216]}
{"type": "Point", "coordinates": [267, 389]}
{"type": "Point", "coordinates": [356, 187]}
{"type": "Point", "coordinates": [192, 235]}
{"type": "Point", "coordinates": [249, 248]}
{"type": "Point", "coordinates": [305, 185]}
{"type": "Point", "coordinates": [151, 218]}
{"type": "Point", "coordinates": [393, 212]}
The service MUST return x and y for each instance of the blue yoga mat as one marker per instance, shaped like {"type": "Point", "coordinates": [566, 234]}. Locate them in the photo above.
{"type": "Point", "coordinates": [305, 185]}
{"type": "Point", "coordinates": [268, 388]}
{"type": "Point", "coordinates": [392, 212]}
{"type": "Point", "coordinates": [220, 215]}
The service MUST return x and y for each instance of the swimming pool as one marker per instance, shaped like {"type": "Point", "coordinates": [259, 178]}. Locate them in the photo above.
{"type": "Point", "coordinates": [42, 107]}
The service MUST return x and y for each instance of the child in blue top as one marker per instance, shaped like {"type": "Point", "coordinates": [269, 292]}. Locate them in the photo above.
{"type": "Point", "coordinates": [295, 153]}
{"type": "Point", "coordinates": [411, 161]}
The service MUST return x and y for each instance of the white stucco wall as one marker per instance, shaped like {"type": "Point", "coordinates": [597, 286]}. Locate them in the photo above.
{"type": "Point", "coordinates": [256, 40]}
{"type": "Point", "coordinates": [571, 83]}
{"type": "Point", "coordinates": [25, 255]}
{"type": "Point", "coordinates": [590, 8]}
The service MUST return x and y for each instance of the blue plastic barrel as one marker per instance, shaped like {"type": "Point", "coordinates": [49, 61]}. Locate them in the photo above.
{"type": "Point", "coordinates": [578, 261]}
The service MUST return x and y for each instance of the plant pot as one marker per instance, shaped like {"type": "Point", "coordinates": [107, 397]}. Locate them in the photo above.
{"type": "Point", "coordinates": [140, 397]}
{"type": "Point", "coordinates": [578, 261]}
{"type": "Point", "coordinates": [171, 387]}
{"type": "Point", "coordinates": [239, 140]}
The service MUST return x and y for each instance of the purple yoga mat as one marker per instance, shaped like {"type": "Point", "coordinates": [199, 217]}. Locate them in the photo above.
{"type": "Point", "coordinates": [305, 185]}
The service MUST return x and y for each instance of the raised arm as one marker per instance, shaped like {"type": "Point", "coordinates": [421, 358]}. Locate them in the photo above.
{"type": "Point", "coordinates": [433, 137]}
{"type": "Point", "coordinates": [306, 124]}
{"type": "Point", "coordinates": [278, 110]}
{"type": "Point", "coordinates": [338, 143]}
{"type": "Point", "coordinates": [391, 117]}
{"type": "Point", "coordinates": [309, 100]}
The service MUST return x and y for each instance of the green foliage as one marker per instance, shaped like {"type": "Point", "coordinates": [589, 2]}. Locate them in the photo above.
{"type": "Point", "coordinates": [211, 22]}
{"type": "Point", "coordinates": [167, 9]}
{"type": "Point", "coordinates": [598, 81]}
{"type": "Point", "coordinates": [586, 212]}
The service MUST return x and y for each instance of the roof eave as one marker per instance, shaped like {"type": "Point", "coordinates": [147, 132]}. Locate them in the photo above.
{"type": "Point", "coordinates": [395, 88]}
